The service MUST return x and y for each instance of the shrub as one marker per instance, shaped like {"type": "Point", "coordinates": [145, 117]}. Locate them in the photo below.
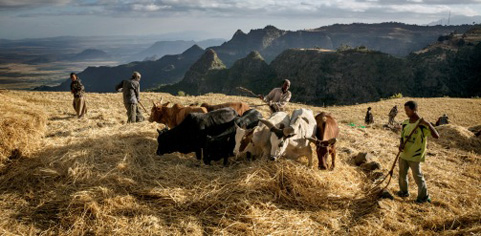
{"type": "Point", "coordinates": [181, 93]}
{"type": "Point", "coordinates": [396, 95]}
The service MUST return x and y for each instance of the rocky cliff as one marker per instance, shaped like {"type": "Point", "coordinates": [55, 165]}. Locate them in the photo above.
{"type": "Point", "coordinates": [393, 38]}
{"type": "Point", "coordinates": [351, 76]}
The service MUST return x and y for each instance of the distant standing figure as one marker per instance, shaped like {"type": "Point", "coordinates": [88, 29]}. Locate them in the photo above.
{"type": "Point", "coordinates": [278, 97]}
{"type": "Point", "coordinates": [78, 91]}
{"type": "Point", "coordinates": [443, 120]}
{"type": "Point", "coordinates": [392, 114]}
{"type": "Point", "coordinates": [369, 119]}
{"type": "Point", "coordinates": [131, 94]}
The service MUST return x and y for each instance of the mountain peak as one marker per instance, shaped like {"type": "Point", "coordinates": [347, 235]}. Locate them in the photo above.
{"type": "Point", "coordinates": [208, 61]}
{"type": "Point", "coordinates": [255, 55]}
{"type": "Point", "coordinates": [194, 50]}
{"type": "Point", "coordinates": [270, 27]}
{"type": "Point", "coordinates": [239, 32]}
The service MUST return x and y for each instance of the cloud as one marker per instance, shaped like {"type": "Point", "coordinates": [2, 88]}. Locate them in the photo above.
{"type": "Point", "coordinates": [251, 8]}
{"type": "Point", "coordinates": [9, 4]}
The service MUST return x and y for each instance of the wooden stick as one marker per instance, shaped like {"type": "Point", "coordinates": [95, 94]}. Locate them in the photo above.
{"type": "Point", "coordinates": [395, 161]}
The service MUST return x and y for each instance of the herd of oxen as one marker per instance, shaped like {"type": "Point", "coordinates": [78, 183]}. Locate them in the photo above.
{"type": "Point", "coordinates": [216, 132]}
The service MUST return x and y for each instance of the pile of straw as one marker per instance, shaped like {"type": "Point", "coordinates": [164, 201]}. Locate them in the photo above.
{"type": "Point", "coordinates": [458, 137]}
{"type": "Point", "coordinates": [22, 125]}
{"type": "Point", "coordinates": [100, 176]}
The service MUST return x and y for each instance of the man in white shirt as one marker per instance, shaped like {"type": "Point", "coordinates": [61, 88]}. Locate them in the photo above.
{"type": "Point", "coordinates": [278, 97]}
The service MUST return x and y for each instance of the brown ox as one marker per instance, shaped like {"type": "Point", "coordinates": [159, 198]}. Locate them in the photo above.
{"type": "Point", "coordinates": [240, 107]}
{"type": "Point", "coordinates": [172, 116]}
{"type": "Point", "coordinates": [327, 132]}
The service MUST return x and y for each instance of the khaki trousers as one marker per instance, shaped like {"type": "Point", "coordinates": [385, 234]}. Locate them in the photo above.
{"type": "Point", "coordinates": [417, 175]}
{"type": "Point", "coordinates": [133, 113]}
{"type": "Point", "coordinates": [79, 106]}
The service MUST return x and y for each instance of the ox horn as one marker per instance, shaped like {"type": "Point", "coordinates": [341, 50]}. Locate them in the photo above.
{"type": "Point", "coordinates": [314, 140]}
{"type": "Point", "coordinates": [277, 131]}
{"type": "Point", "coordinates": [161, 99]}
{"type": "Point", "coordinates": [267, 123]}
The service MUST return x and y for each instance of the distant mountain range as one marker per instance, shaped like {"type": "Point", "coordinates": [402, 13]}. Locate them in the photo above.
{"type": "Point", "coordinates": [168, 69]}
{"type": "Point", "coordinates": [396, 39]}
{"type": "Point", "coordinates": [161, 48]}
{"type": "Point", "coordinates": [451, 67]}
{"type": "Point", "coordinates": [457, 20]}
{"type": "Point", "coordinates": [90, 54]}
{"type": "Point", "coordinates": [365, 67]}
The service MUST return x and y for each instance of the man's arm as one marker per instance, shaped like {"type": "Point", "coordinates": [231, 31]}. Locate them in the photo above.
{"type": "Point", "coordinates": [284, 100]}
{"type": "Point", "coordinates": [137, 91]}
{"type": "Point", "coordinates": [269, 96]}
{"type": "Point", "coordinates": [433, 130]}
{"type": "Point", "coordinates": [118, 87]}
{"type": "Point", "coordinates": [81, 87]}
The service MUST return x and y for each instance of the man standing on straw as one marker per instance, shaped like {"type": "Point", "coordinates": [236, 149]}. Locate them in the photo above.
{"type": "Point", "coordinates": [414, 151]}
{"type": "Point", "coordinates": [78, 91]}
{"type": "Point", "coordinates": [392, 114]}
{"type": "Point", "coordinates": [131, 94]}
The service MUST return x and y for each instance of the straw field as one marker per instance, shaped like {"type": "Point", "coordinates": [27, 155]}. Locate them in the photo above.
{"type": "Point", "coordinates": [100, 176]}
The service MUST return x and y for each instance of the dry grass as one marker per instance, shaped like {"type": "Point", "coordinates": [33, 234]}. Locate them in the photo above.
{"type": "Point", "coordinates": [21, 127]}
{"type": "Point", "coordinates": [99, 176]}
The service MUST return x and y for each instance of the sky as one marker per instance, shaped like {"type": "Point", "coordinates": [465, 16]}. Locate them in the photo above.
{"type": "Point", "coordinates": [214, 18]}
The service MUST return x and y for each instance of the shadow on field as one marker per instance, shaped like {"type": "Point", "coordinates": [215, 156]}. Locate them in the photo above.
{"type": "Point", "coordinates": [60, 118]}
{"type": "Point", "coordinates": [83, 185]}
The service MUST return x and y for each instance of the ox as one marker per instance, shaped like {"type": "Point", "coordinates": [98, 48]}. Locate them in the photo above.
{"type": "Point", "coordinates": [172, 116]}
{"type": "Point", "coordinates": [222, 145]}
{"type": "Point", "coordinates": [190, 135]}
{"type": "Point", "coordinates": [326, 134]}
{"type": "Point", "coordinates": [255, 142]}
{"type": "Point", "coordinates": [240, 107]}
{"type": "Point", "coordinates": [293, 140]}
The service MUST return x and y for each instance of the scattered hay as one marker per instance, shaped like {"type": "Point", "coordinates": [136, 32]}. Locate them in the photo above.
{"type": "Point", "coordinates": [91, 179]}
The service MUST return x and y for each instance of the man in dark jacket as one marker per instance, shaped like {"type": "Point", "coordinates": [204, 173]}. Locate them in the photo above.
{"type": "Point", "coordinates": [78, 91]}
{"type": "Point", "coordinates": [131, 94]}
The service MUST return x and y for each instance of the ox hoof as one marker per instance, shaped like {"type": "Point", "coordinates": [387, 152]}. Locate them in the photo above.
{"type": "Point", "coordinates": [272, 158]}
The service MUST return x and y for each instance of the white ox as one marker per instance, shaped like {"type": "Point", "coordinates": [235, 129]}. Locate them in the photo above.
{"type": "Point", "coordinates": [293, 141]}
{"type": "Point", "coordinates": [255, 142]}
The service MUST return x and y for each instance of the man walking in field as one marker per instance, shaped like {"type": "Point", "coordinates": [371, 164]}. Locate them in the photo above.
{"type": "Point", "coordinates": [278, 97]}
{"type": "Point", "coordinates": [392, 114]}
{"type": "Point", "coordinates": [131, 94]}
{"type": "Point", "coordinates": [78, 91]}
{"type": "Point", "coordinates": [414, 151]}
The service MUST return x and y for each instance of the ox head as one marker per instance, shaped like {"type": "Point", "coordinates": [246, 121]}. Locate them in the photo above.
{"type": "Point", "coordinates": [162, 141]}
{"type": "Point", "coordinates": [243, 138]}
{"type": "Point", "coordinates": [159, 112]}
{"type": "Point", "coordinates": [279, 138]}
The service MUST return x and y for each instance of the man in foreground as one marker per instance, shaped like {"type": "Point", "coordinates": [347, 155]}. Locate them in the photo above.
{"type": "Point", "coordinates": [413, 151]}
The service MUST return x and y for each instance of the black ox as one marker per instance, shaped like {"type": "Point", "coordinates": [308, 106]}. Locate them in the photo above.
{"type": "Point", "coordinates": [222, 145]}
{"type": "Point", "coordinates": [190, 135]}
